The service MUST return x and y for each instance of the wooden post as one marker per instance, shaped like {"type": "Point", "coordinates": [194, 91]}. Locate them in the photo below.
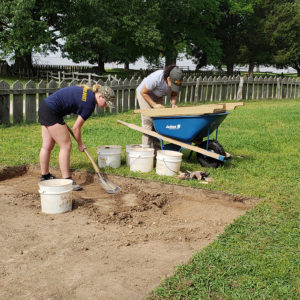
{"type": "Point", "coordinates": [204, 89]}
{"type": "Point", "coordinates": [278, 89]}
{"type": "Point", "coordinates": [210, 87]}
{"type": "Point", "coordinates": [132, 87]}
{"type": "Point", "coordinates": [30, 102]}
{"type": "Point", "coordinates": [189, 90]}
{"type": "Point", "coordinates": [17, 103]}
{"type": "Point", "coordinates": [4, 103]}
{"type": "Point", "coordinates": [240, 89]}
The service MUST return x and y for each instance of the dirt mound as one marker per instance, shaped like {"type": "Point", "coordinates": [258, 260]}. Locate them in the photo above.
{"type": "Point", "coordinates": [109, 246]}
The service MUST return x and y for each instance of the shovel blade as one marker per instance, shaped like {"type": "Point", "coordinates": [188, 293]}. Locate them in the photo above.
{"type": "Point", "coordinates": [107, 185]}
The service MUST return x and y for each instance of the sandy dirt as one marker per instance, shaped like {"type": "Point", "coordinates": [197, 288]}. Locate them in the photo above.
{"type": "Point", "coordinates": [109, 246]}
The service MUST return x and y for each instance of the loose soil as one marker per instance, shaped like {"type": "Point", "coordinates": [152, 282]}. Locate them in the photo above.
{"type": "Point", "coordinates": [109, 246]}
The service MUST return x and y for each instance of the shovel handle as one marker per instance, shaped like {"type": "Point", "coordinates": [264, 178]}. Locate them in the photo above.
{"type": "Point", "coordinates": [85, 151]}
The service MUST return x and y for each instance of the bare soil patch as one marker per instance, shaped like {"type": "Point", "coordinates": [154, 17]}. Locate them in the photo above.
{"type": "Point", "coordinates": [109, 246]}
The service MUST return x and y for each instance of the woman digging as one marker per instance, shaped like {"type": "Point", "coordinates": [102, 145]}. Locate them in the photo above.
{"type": "Point", "coordinates": [80, 100]}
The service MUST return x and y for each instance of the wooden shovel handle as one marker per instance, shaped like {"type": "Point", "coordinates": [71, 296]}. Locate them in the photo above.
{"type": "Point", "coordinates": [85, 151]}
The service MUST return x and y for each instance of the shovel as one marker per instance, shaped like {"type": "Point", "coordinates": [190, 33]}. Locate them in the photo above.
{"type": "Point", "coordinates": [106, 184]}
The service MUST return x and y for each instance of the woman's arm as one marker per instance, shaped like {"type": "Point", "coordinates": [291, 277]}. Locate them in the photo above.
{"type": "Point", "coordinates": [145, 94]}
{"type": "Point", "coordinates": [77, 132]}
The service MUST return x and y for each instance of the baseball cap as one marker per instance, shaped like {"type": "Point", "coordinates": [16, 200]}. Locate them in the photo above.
{"type": "Point", "coordinates": [176, 79]}
{"type": "Point", "coordinates": [108, 94]}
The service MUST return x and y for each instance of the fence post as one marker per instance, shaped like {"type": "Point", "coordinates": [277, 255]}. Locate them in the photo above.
{"type": "Point", "coordinates": [224, 88]}
{"type": "Point", "coordinates": [42, 95]}
{"type": "Point", "coordinates": [278, 89]}
{"type": "Point", "coordinates": [197, 90]}
{"type": "Point", "coordinates": [4, 103]}
{"type": "Point", "coordinates": [17, 103]}
{"type": "Point", "coordinates": [30, 102]}
{"type": "Point", "coordinates": [89, 79]}
{"type": "Point", "coordinates": [239, 95]}
{"type": "Point", "coordinates": [132, 84]}
{"type": "Point", "coordinates": [210, 87]}
{"type": "Point", "coordinates": [204, 90]}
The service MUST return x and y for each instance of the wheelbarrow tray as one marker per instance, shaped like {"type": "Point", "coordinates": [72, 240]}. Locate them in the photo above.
{"type": "Point", "coordinates": [188, 128]}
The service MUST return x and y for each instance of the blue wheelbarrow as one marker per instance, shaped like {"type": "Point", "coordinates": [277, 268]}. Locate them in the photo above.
{"type": "Point", "coordinates": [181, 131]}
{"type": "Point", "coordinates": [194, 129]}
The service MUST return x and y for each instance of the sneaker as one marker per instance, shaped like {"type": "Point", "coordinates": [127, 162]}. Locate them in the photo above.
{"type": "Point", "coordinates": [47, 177]}
{"type": "Point", "coordinates": [75, 186]}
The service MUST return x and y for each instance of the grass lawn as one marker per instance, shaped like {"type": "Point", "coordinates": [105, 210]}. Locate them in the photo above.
{"type": "Point", "coordinates": [258, 256]}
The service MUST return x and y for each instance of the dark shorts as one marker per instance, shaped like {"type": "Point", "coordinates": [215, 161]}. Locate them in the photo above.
{"type": "Point", "coordinates": [48, 116]}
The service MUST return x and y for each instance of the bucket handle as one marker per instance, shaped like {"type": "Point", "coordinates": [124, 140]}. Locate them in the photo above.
{"type": "Point", "coordinates": [164, 160]}
{"type": "Point", "coordinates": [55, 193]}
{"type": "Point", "coordinates": [131, 162]}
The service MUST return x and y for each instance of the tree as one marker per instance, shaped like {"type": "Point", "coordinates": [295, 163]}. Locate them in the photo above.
{"type": "Point", "coordinates": [26, 27]}
{"type": "Point", "coordinates": [108, 31]}
{"type": "Point", "coordinates": [271, 34]}
{"type": "Point", "coordinates": [184, 26]}
{"type": "Point", "coordinates": [283, 27]}
{"type": "Point", "coordinates": [255, 47]}
{"type": "Point", "coordinates": [228, 30]}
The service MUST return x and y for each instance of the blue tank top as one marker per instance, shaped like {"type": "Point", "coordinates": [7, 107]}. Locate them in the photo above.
{"type": "Point", "coordinates": [72, 99]}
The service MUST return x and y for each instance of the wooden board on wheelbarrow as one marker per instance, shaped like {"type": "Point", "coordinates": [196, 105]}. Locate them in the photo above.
{"type": "Point", "coordinates": [189, 110]}
{"type": "Point", "coordinates": [181, 144]}
{"type": "Point", "coordinates": [182, 111]}
{"type": "Point", "coordinates": [233, 105]}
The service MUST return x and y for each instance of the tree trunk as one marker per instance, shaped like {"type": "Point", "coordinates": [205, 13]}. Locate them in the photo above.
{"type": "Point", "coordinates": [126, 66]}
{"type": "Point", "coordinates": [251, 69]}
{"type": "Point", "coordinates": [171, 55]}
{"type": "Point", "coordinates": [296, 66]}
{"type": "Point", "coordinates": [23, 65]}
{"type": "Point", "coordinates": [229, 69]}
{"type": "Point", "coordinates": [100, 67]}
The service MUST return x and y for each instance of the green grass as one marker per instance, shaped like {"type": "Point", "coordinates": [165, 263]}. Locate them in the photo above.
{"type": "Point", "coordinates": [258, 256]}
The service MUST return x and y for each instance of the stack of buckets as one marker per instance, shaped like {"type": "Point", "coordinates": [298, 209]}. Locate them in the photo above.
{"type": "Point", "coordinates": [140, 158]}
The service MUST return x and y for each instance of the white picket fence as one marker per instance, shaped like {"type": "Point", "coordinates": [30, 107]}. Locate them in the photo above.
{"type": "Point", "coordinates": [20, 103]}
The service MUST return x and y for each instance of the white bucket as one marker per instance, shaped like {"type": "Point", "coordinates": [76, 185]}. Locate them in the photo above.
{"type": "Point", "coordinates": [128, 147]}
{"type": "Point", "coordinates": [141, 159]}
{"type": "Point", "coordinates": [109, 156]}
{"type": "Point", "coordinates": [56, 195]}
{"type": "Point", "coordinates": [168, 162]}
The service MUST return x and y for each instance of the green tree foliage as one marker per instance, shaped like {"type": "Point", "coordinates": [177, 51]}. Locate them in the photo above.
{"type": "Point", "coordinates": [26, 27]}
{"type": "Point", "coordinates": [217, 32]}
{"type": "Point", "coordinates": [229, 30]}
{"type": "Point", "coordinates": [271, 34]}
{"type": "Point", "coordinates": [109, 31]}
{"type": "Point", "coordinates": [184, 25]}
{"type": "Point", "coordinates": [255, 48]}
{"type": "Point", "coordinates": [283, 27]}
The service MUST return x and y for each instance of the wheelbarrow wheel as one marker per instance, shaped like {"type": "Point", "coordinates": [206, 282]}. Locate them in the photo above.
{"type": "Point", "coordinates": [207, 161]}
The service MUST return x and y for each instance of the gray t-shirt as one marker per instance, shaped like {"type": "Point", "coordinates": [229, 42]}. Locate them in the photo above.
{"type": "Point", "coordinates": [156, 85]}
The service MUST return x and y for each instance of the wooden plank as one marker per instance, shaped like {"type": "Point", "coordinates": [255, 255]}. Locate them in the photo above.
{"type": "Point", "coordinates": [182, 111]}
{"type": "Point", "coordinates": [233, 105]}
{"type": "Point", "coordinates": [170, 140]}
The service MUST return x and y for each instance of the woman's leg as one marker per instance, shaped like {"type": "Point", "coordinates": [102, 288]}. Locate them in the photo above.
{"type": "Point", "coordinates": [61, 136]}
{"type": "Point", "coordinates": [146, 121]}
{"type": "Point", "coordinates": [47, 146]}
